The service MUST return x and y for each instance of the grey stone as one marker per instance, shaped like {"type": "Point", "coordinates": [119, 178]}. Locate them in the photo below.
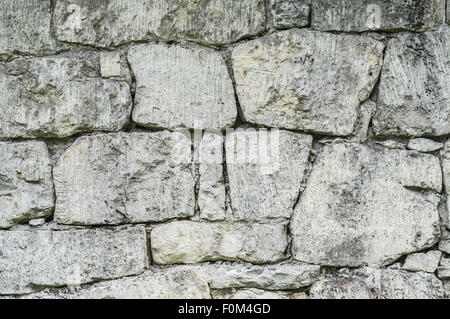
{"type": "Point", "coordinates": [26, 187]}
{"type": "Point", "coordinates": [192, 242]}
{"type": "Point", "coordinates": [153, 284]}
{"type": "Point", "coordinates": [265, 171]}
{"type": "Point", "coordinates": [424, 145]}
{"type": "Point", "coordinates": [25, 27]}
{"type": "Point", "coordinates": [379, 284]}
{"type": "Point", "coordinates": [211, 194]}
{"type": "Point", "coordinates": [427, 262]}
{"type": "Point", "coordinates": [290, 13]}
{"type": "Point", "coordinates": [366, 111]}
{"type": "Point", "coordinates": [60, 96]}
{"type": "Point", "coordinates": [181, 87]}
{"type": "Point", "coordinates": [256, 294]}
{"type": "Point", "coordinates": [37, 222]}
{"type": "Point", "coordinates": [290, 79]}
{"type": "Point", "coordinates": [414, 88]}
{"type": "Point", "coordinates": [365, 206]}
{"type": "Point", "coordinates": [444, 268]}
{"type": "Point", "coordinates": [448, 12]}
{"type": "Point", "coordinates": [114, 22]}
{"type": "Point", "coordinates": [29, 259]}
{"type": "Point", "coordinates": [125, 178]}
{"type": "Point", "coordinates": [366, 15]}
{"type": "Point", "coordinates": [446, 178]}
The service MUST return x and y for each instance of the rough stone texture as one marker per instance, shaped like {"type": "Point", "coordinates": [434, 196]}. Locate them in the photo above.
{"type": "Point", "coordinates": [256, 294]}
{"type": "Point", "coordinates": [153, 284]}
{"type": "Point", "coordinates": [265, 171]}
{"type": "Point", "coordinates": [423, 262]}
{"type": "Point", "coordinates": [414, 88]}
{"type": "Point", "coordinates": [125, 177]}
{"type": "Point", "coordinates": [424, 145]}
{"type": "Point", "coordinates": [365, 15]}
{"type": "Point", "coordinates": [448, 12]}
{"type": "Point", "coordinates": [444, 268]}
{"type": "Point", "coordinates": [192, 242]}
{"type": "Point", "coordinates": [366, 206]}
{"type": "Point", "coordinates": [211, 194]}
{"type": "Point", "coordinates": [289, 13]}
{"type": "Point", "coordinates": [291, 79]}
{"type": "Point", "coordinates": [26, 187]}
{"type": "Point", "coordinates": [25, 27]}
{"type": "Point", "coordinates": [181, 87]}
{"type": "Point", "coordinates": [29, 259]}
{"type": "Point", "coordinates": [60, 96]}
{"type": "Point", "coordinates": [446, 178]}
{"type": "Point", "coordinates": [214, 22]}
{"type": "Point", "coordinates": [378, 284]}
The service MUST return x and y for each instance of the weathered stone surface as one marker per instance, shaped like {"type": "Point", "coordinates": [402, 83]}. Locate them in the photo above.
{"type": "Point", "coordinates": [256, 294]}
{"type": "Point", "coordinates": [25, 27]}
{"type": "Point", "coordinates": [213, 22]}
{"type": "Point", "coordinates": [284, 276]}
{"type": "Point", "coordinates": [291, 79]}
{"type": "Point", "coordinates": [56, 258]}
{"type": "Point", "coordinates": [181, 87]}
{"type": "Point", "coordinates": [125, 177]}
{"type": "Point", "coordinates": [211, 194]}
{"type": "Point", "coordinates": [153, 284]}
{"type": "Point", "coordinates": [424, 145]}
{"type": "Point", "coordinates": [265, 171]}
{"type": "Point", "coordinates": [446, 178]}
{"type": "Point", "coordinates": [26, 187]}
{"type": "Point", "coordinates": [37, 222]}
{"type": "Point", "coordinates": [444, 268]}
{"type": "Point", "coordinates": [365, 206]}
{"type": "Point", "coordinates": [365, 15]}
{"type": "Point", "coordinates": [192, 242]}
{"type": "Point", "coordinates": [289, 13]}
{"type": "Point", "coordinates": [60, 96]}
{"type": "Point", "coordinates": [448, 12]}
{"type": "Point", "coordinates": [414, 88]}
{"type": "Point", "coordinates": [379, 284]}
{"type": "Point", "coordinates": [427, 262]}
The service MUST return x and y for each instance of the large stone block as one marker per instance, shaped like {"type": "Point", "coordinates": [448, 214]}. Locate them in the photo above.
{"type": "Point", "coordinates": [379, 284]}
{"type": "Point", "coordinates": [365, 206]}
{"type": "Point", "coordinates": [190, 242]}
{"type": "Point", "coordinates": [112, 22]}
{"type": "Point", "coordinates": [60, 96]}
{"type": "Point", "coordinates": [125, 178]}
{"type": "Point", "coordinates": [181, 87]}
{"type": "Point", "coordinates": [414, 88]}
{"type": "Point", "coordinates": [446, 177]}
{"type": "Point", "coordinates": [388, 15]}
{"type": "Point", "coordinates": [30, 259]}
{"type": "Point", "coordinates": [306, 80]}
{"type": "Point", "coordinates": [26, 186]}
{"type": "Point", "coordinates": [265, 171]}
{"type": "Point", "coordinates": [25, 27]}
{"type": "Point", "coordinates": [290, 13]}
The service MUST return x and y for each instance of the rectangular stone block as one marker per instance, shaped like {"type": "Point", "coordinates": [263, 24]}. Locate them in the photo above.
{"type": "Point", "coordinates": [290, 13]}
{"type": "Point", "coordinates": [380, 15]}
{"type": "Point", "coordinates": [125, 178]}
{"type": "Point", "coordinates": [214, 22]}
{"type": "Point", "coordinates": [181, 87]}
{"type": "Point", "coordinates": [30, 259]}
{"type": "Point", "coordinates": [188, 242]}
{"type": "Point", "coordinates": [60, 96]}
{"type": "Point", "coordinates": [26, 186]}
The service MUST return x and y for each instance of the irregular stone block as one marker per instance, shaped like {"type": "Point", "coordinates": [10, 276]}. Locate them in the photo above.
{"type": "Point", "coordinates": [446, 178]}
{"type": "Point", "coordinates": [60, 96]}
{"type": "Point", "coordinates": [379, 284]}
{"type": "Point", "coordinates": [427, 262]}
{"type": "Point", "coordinates": [181, 87]}
{"type": "Point", "coordinates": [265, 171]}
{"type": "Point", "coordinates": [444, 268]}
{"type": "Point", "coordinates": [365, 206]}
{"type": "Point", "coordinates": [125, 178]}
{"type": "Point", "coordinates": [153, 284]}
{"type": "Point", "coordinates": [211, 194]}
{"type": "Point", "coordinates": [256, 294]}
{"type": "Point", "coordinates": [448, 12]}
{"type": "Point", "coordinates": [190, 242]}
{"type": "Point", "coordinates": [291, 79]}
{"type": "Point", "coordinates": [25, 27]}
{"type": "Point", "coordinates": [414, 88]}
{"type": "Point", "coordinates": [289, 13]}
{"type": "Point", "coordinates": [26, 186]}
{"type": "Point", "coordinates": [424, 145]}
{"type": "Point", "coordinates": [114, 22]}
{"type": "Point", "coordinates": [387, 15]}
{"type": "Point", "coordinates": [29, 259]}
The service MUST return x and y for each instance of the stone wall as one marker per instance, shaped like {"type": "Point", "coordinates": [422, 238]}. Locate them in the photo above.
{"type": "Point", "coordinates": [224, 149]}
